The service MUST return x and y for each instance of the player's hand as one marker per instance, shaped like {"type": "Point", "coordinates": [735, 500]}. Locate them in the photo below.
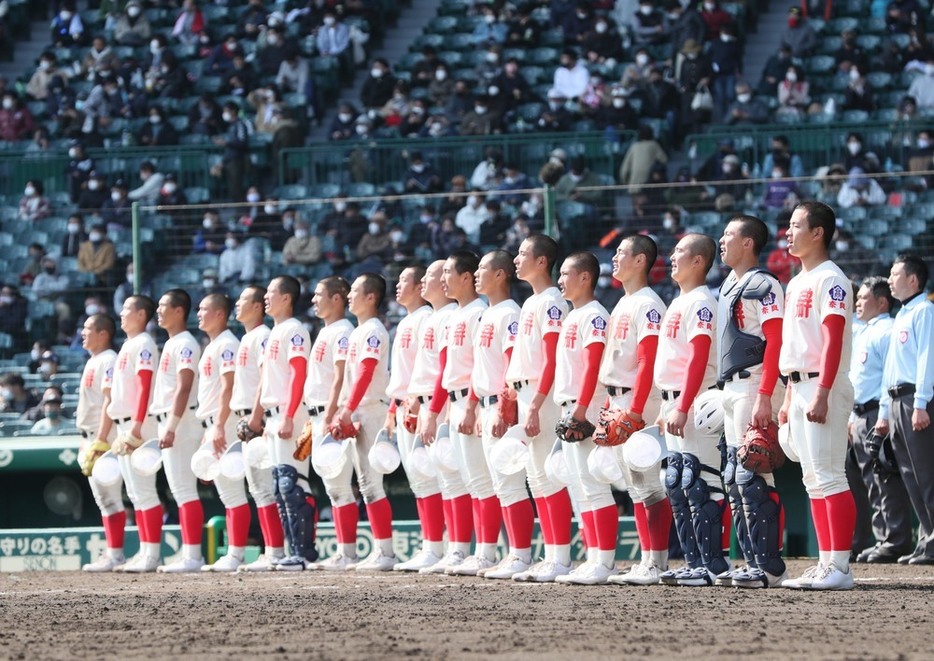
{"type": "Point", "coordinates": [817, 409]}
{"type": "Point", "coordinates": [882, 427]}
{"type": "Point", "coordinates": [849, 432]}
{"type": "Point", "coordinates": [533, 424]}
{"type": "Point", "coordinates": [136, 431]}
{"type": "Point", "coordinates": [469, 424]}
{"type": "Point", "coordinates": [499, 427]}
{"type": "Point", "coordinates": [286, 428]}
{"type": "Point", "coordinates": [429, 428]}
{"type": "Point", "coordinates": [390, 425]}
{"type": "Point", "coordinates": [219, 441]}
{"type": "Point", "coordinates": [256, 422]}
{"type": "Point", "coordinates": [762, 411]}
{"type": "Point", "coordinates": [675, 423]}
{"type": "Point", "coordinates": [412, 404]}
{"type": "Point", "coordinates": [920, 420]}
{"type": "Point", "coordinates": [167, 440]}
{"type": "Point", "coordinates": [783, 413]}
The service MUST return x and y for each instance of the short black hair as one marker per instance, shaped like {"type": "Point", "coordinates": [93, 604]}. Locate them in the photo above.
{"type": "Point", "coordinates": [878, 286]}
{"type": "Point", "coordinates": [464, 261]}
{"type": "Point", "coordinates": [914, 265]}
{"type": "Point", "coordinates": [179, 298]}
{"type": "Point", "coordinates": [144, 303]}
{"type": "Point", "coordinates": [640, 244]}
{"type": "Point", "coordinates": [289, 286]}
{"type": "Point", "coordinates": [500, 260]}
{"type": "Point", "coordinates": [374, 283]}
{"type": "Point", "coordinates": [257, 293]}
{"type": "Point", "coordinates": [103, 322]}
{"type": "Point", "coordinates": [219, 300]}
{"type": "Point", "coordinates": [336, 285]}
{"type": "Point", "coordinates": [704, 246]}
{"type": "Point", "coordinates": [822, 216]}
{"type": "Point", "coordinates": [751, 227]}
{"type": "Point", "coordinates": [586, 262]}
{"type": "Point", "coordinates": [543, 245]}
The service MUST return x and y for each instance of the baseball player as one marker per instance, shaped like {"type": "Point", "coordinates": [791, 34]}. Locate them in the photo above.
{"type": "Point", "coordinates": [457, 281]}
{"type": "Point", "coordinates": [685, 366]}
{"type": "Point", "coordinates": [580, 349]}
{"type": "Point", "coordinates": [322, 387]}
{"type": "Point", "coordinates": [405, 344]}
{"type": "Point", "coordinates": [749, 321]}
{"type": "Point", "coordinates": [250, 311]}
{"type": "Point", "coordinates": [130, 394]}
{"type": "Point", "coordinates": [366, 375]}
{"type": "Point", "coordinates": [908, 391]}
{"type": "Point", "coordinates": [531, 374]}
{"type": "Point", "coordinates": [492, 346]}
{"type": "Point", "coordinates": [626, 373]}
{"type": "Point", "coordinates": [815, 356]}
{"type": "Point", "coordinates": [283, 369]}
{"type": "Point", "coordinates": [215, 388]}
{"type": "Point", "coordinates": [888, 499]}
{"type": "Point", "coordinates": [174, 400]}
{"type": "Point", "coordinates": [93, 397]}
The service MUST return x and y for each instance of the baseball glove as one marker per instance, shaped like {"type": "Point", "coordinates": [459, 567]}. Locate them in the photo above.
{"type": "Point", "coordinates": [760, 451]}
{"type": "Point", "coordinates": [409, 417]}
{"type": "Point", "coordinates": [125, 443]}
{"type": "Point", "coordinates": [245, 432]}
{"type": "Point", "coordinates": [89, 456]}
{"type": "Point", "coordinates": [615, 427]}
{"type": "Point", "coordinates": [341, 431]}
{"type": "Point", "coordinates": [303, 443]}
{"type": "Point", "coordinates": [571, 429]}
{"type": "Point", "coordinates": [508, 408]}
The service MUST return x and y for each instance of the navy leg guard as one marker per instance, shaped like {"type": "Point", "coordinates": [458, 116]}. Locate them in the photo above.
{"type": "Point", "coordinates": [763, 512]}
{"type": "Point", "coordinates": [736, 507]}
{"type": "Point", "coordinates": [310, 512]}
{"type": "Point", "coordinates": [706, 515]}
{"type": "Point", "coordinates": [680, 508]}
{"type": "Point", "coordinates": [294, 500]}
{"type": "Point", "coordinates": [280, 506]}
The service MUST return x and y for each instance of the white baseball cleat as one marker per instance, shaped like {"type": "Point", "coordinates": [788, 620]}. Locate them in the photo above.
{"type": "Point", "coordinates": [507, 568]}
{"type": "Point", "coordinates": [377, 562]}
{"type": "Point", "coordinates": [470, 567]}
{"type": "Point", "coordinates": [142, 564]}
{"type": "Point", "coordinates": [589, 573]}
{"type": "Point", "coordinates": [804, 581]}
{"type": "Point", "coordinates": [647, 574]}
{"type": "Point", "coordinates": [450, 559]}
{"type": "Point", "coordinates": [833, 578]}
{"type": "Point", "coordinates": [261, 564]}
{"type": "Point", "coordinates": [105, 563]}
{"type": "Point", "coordinates": [547, 572]}
{"type": "Point", "coordinates": [421, 560]}
{"type": "Point", "coordinates": [339, 562]}
{"type": "Point", "coordinates": [672, 576]}
{"type": "Point", "coordinates": [225, 564]}
{"type": "Point", "coordinates": [182, 566]}
{"type": "Point", "coordinates": [700, 577]}
{"type": "Point", "coordinates": [725, 579]}
{"type": "Point", "coordinates": [291, 563]}
{"type": "Point", "coordinates": [757, 578]}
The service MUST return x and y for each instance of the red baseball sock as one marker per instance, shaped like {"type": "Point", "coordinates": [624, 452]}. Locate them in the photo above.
{"type": "Point", "coordinates": [271, 525]}
{"type": "Point", "coordinates": [560, 514]}
{"type": "Point", "coordinates": [447, 507]}
{"type": "Point", "coordinates": [606, 527]}
{"type": "Point", "coordinates": [544, 521]}
{"type": "Point", "coordinates": [590, 537]}
{"type": "Point", "coordinates": [477, 517]}
{"type": "Point", "coordinates": [114, 526]}
{"type": "Point", "coordinates": [191, 518]}
{"type": "Point", "coordinates": [821, 527]}
{"type": "Point", "coordinates": [150, 524]}
{"type": "Point", "coordinates": [726, 526]}
{"type": "Point", "coordinates": [658, 518]}
{"type": "Point", "coordinates": [491, 520]}
{"type": "Point", "coordinates": [238, 525]}
{"type": "Point", "coordinates": [431, 515]}
{"type": "Point", "coordinates": [642, 526]}
{"type": "Point", "coordinates": [380, 515]}
{"type": "Point", "coordinates": [462, 511]}
{"type": "Point", "coordinates": [841, 519]}
{"type": "Point", "coordinates": [781, 519]}
{"type": "Point", "coordinates": [521, 519]}
{"type": "Point", "coordinates": [348, 515]}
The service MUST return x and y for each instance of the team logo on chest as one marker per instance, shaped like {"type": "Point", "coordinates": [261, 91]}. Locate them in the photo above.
{"type": "Point", "coordinates": [242, 357]}
{"type": "Point", "coordinates": [903, 336]}
{"type": "Point", "coordinates": [739, 315]}
{"type": "Point", "coordinates": [405, 340]}
{"type": "Point", "coordinates": [527, 324]}
{"type": "Point", "coordinates": [321, 348]}
{"type": "Point", "coordinates": [273, 350]}
{"type": "Point", "coordinates": [206, 367]}
{"type": "Point", "coordinates": [804, 304]}
{"type": "Point", "coordinates": [486, 335]}
{"type": "Point", "coordinates": [621, 332]}
{"type": "Point", "coordinates": [460, 333]}
{"type": "Point", "coordinates": [570, 337]}
{"type": "Point", "coordinates": [428, 342]}
{"type": "Point", "coordinates": [673, 324]}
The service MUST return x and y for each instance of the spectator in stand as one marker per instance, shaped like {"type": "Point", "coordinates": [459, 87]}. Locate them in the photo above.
{"type": "Point", "coordinates": [696, 75]}
{"type": "Point", "coordinates": [449, 238]}
{"type": "Point", "coordinates": [576, 25]}
{"type": "Point", "coordinates": [919, 49]}
{"type": "Point", "coordinates": [513, 180]}
{"type": "Point", "coordinates": [437, 126]}
{"type": "Point", "coordinates": [34, 205]}
{"type": "Point", "coordinates": [303, 247]}
{"type": "Point", "coordinates": [424, 70]}
{"type": "Point", "coordinates": [152, 180]}
{"type": "Point", "coordinates": [471, 217]}
{"type": "Point", "coordinates": [513, 88]}
{"type": "Point", "coordinates": [860, 190]}
{"type": "Point", "coordinates": [266, 100]}
{"type": "Point", "coordinates": [67, 30]}
{"type": "Point", "coordinates": [441, 87]}
{"type": "Point", "coordinates": [780, 193]}
{"type": "Point", "coordinates": [235, 142]}
{"type": "Point", "coordinates": [47, 71]}
{"type": "Point", "coordinates": [714, 18]}
{"type": "Point", "coordinates": [490, 30]}
{"type": "Point", "coordinates": [850, 54]}
{"type": "Point", "coordinates": [603, 45]}
{"type": "Point", "coordinates": [781, 152]}
{"type": "Point", "coordinates": [220, 62]}
{"type": "Point", "coordinates": [615, 114]}
{"type": "Point", "coordinates": [78, 171]}
{"type": "Point", "coordinates": [49, 286]}
{"type": "Point", "coordinates": [16, 122]}
{"type": "Point", "coordinates": [488, 173]}
{"type": "Point", "coordinates": [253, 20]}
{"type": "Point", "coordinates": [780, 261]}
{"type": "Point", "coordinates": [41, 143]}
{"type": "Point", "coordinates": [99, 57]}
{"type": "Point", "coordinates": [421, 176]}
{"type": "Point", "coordinates": [33, 266]}
{"type": "Point", "coordinates": [294, 74]}
{"type": "Point", "coordinates": [799, 36]}
{"type": "Point", "coordinates": [158, 132]}
{"type": "Point", "coordinates": [745, 109]}
{"type": "Point", "coordinates": [793, 94]}
{"type": "Point", "coordinates": [858, 95]}
{"type": "Point", "coordinates": [238, 260]}
{"type": "Point", "coordinates": [689, 195]}
{"type": "Point", "coordinates": [15, 397]}
{"type": "Point", "coordinates": [74, 236]}
{"type": "Point", "coordinates": [480, 120]}
{"type": "Point", "coordinates": [854, 260]}
{"type": "Point", "coordinates": [891, 59]}
{"type": "Point", "coordinates": [107, 101]}
{"type": "Point", "coordinates": [774, 72]}
{"type": "Point", "coordinates": [684, 23]}
{"type": "Point", "coordinates": [726, 57]}
{"type": "Point", "coordinates": [123, 291]}
{"type": "Point", "coordinates": [571, 78]}
{"type": "Point", "coordinates": [98, 256]}
{"type": "Point", "coordinates": [460, 102]}
{"type": "Point", "coordinates": [210, 236]}
{"type": "Point", "coordinates": [660, 99]}
{"type": "Point", "coordinates": [413, 123]}
{"type": "Point", "coordinates": [649, 25]}
{"type": "Point", "coordinates": [397, 107]}
{"type": "Point", "coordinates": [190, 24]}
{"type": "Point", "coordinates": [94, 194]}
{"type": "Point", "coordinates": [453, 202]}
{"type": "Point", "coordinates": [523, 31]}
{"type": "Point", "coordinates": [730, 180]}
{"type": "Point", "coordinates": [132, 27]}
{"type": "Point", "coordinates": [376, 244]}
{"type": "Point", "coordinates": [636, 73]}
{"type": "Point", "coordinates": [170, 194]}
{"type": "Point", "coordinates": [921, 156]}
{"type": "Point", "coordinates": [378, 87]}
{"type": "Point", "coordinates": [922, 87]}
{"type": "Point", "coordinates": [271, 50]}
{"type": "Point", "coordinates": [901, 15]}
{"type": "Point", "coordinates": [51, 422]}
{"type": "Point", "coordinates": [117, 211]}
{"type": "Point", "coordinates": [205, 116]}
{"type": "Point", "coordinates": [579, 176]}
{"type": "Point", "coordinates": [855, 156]}
{"type": "Point", "coordinates": [171, 80]}
{"type": "Point", "coordinates": [555, 116]}
{"type": "Point", "coordinates": [344, 122]}
{"type": "Point", "coordinates": [489, 66]}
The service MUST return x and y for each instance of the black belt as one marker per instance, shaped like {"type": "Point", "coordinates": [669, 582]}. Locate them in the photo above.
{"type": "Point", "coordinates": [488, 401]}
{"type": "Point", "coordinates": [519, 385]}
{"type": "Point", "coordinates": [84, 434]}
{"type": "Point", "coordinates": [455, 395]}
{"type": "Point", "coordinates": [397, 402]}
{"type": "Point", "coordinates": [271, 412]}
{"type": "Point", "coordinates": [243, 412]}
{"type": "Point", "coordinates": [207, 422]}
{"type": "Point", "coordinates": [617, 391]}
{"type": "Point", "coordinates": [570, 402]}
{"type": "Point", "coordinates": [735, 376]}
{"type": "Point", "coordinates": [901, 390]}
{"type": "Point", "coordinates": [165, 416]}
{"type": "Point", "coordinates": [424, 399]}
{"type": "Point", "coordinates": [670, 394]}
{"type": "Point", "coordinates": [798, 377]}
{"type": "Point", "coordinates": [122, 421]}
{"type": "Point", "coordinates": [863, 409]}
{"type": "Point", "coordinates": [315, 411]}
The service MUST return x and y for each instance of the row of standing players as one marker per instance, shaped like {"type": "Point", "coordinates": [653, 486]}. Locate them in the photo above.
{"type": "Point", "coordinates": [458, 358]}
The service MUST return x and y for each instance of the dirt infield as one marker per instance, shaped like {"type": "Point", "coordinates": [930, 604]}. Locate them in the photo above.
{"type": "Point", "coordinates": [324, 616]}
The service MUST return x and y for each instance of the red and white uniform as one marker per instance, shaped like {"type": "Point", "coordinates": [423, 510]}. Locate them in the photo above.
{"type": "Point", "coordinates": [246, 381]}
{"type": "Point", "coordinates": [95, 379]}
{"type": "Point", "coordinates": [180, 352]}
{"type": "Point", "coordinates": [287, 340]}
{"type": "Point", "coordinates": [811, 298]}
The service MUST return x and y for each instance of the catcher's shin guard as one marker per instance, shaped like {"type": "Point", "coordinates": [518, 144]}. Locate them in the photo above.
{"type": "Point", "coordinates": [706, 514]}
{"type": "Point", "coordinates": [763, 511]}
{"type": "Point", "coordinates": [299, 515]}
{"type": "Point", "coordinates": [680, 508]}
{"type": "Point", "coordinates": [736, 507]}
{"type": "Point", "coordinates": [280, 506]}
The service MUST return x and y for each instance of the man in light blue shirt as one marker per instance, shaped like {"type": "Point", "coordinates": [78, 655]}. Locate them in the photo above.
{"type": "Point", "coordinates": [882, 490]}
{"type": "Point", "coordinates": [908, 389]}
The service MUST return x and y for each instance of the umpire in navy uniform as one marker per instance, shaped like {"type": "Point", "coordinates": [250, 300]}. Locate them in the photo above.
{"type": "Point", "coordinates": [887, 497]}
{"type": "Point", "coordinates": [908, 391]}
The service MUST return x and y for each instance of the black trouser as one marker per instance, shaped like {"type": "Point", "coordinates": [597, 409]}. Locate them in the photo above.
{"type": "Point", "coordinates": [914, 451]}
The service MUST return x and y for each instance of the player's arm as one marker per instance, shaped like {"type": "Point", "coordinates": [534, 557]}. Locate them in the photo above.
{"type": "Point", "coordinates": [438, 398]}
{"type": "Point", "coordinates": [924, 382]}
{"type": "Point", "coordinates": [223, 412]}
{"type": "Point", "coordinates": [593, 354]}
{"type": "Point", "coordinates": [144, 387]}
{"type": "Point", "coordinates": [358, 390]}
{"type": "Point", "coordinates": [832, 328]}
{"type": "Point", "coordinates": [646, 351]}
{"type": "Point", "coordinates": [256, 417]}
{"type": "Point", "coordinates": [699, 353]}
{"type": "Point", "coordinates": [546, 380]}
{"type": "Point", "coordinates": [106, 424]}
{"type": "Point", "coordinates": [298, 371]}
{"type": "Point", "coordinates": [762, 410]}
{"type": "Point", "coordinates": [336, 387]}
{"type": "Point", "coordinates": [185, 380]}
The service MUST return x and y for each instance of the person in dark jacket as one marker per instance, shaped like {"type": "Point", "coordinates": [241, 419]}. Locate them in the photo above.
{"type": "Point", "coordinates": [379, 85]}
{"type": "Point", "coordinates": [157, 132]}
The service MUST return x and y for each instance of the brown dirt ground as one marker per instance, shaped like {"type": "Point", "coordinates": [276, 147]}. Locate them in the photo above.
{"type": "Point", "coordinates": [325, 616]}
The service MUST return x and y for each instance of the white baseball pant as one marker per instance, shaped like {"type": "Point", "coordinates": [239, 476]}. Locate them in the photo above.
{"type": "Point", "coordinates": [421, 487]}
{"type": "Point", "coordinates": [176, 460]}
{"type": "Point", "coordinates": [540, 446]}
{"type": "Point", "coordinates": [339, 488]}
{"type": "Point", "coordinates": [109, 500]}
{"type": "Point", "coordinates": [231, 492]}
{"type": "Point", "coordinates": [510, 489]}
{"type": "Point", "coordinates": [474, 470]}
{"type": "Point", "coordinates": [282, 448]}
{"type": "Point", "coordinates": [643, 486]}
{"type": "Point", "coordinates": [140, 489]}
{"type": "Point", "coordinates": [452, 484]}
{"type": "Point", "coordinates": [739, 396]}
{"type": "Point", "coordinates": [701, 445]}
{"type": "Point", "coordinates": [591, 494]}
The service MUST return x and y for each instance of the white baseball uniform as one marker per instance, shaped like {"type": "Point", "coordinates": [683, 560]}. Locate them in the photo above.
{"type": "Point", "coordinates": [246, 381]}
{"type": "Point", "coordinates": [811, 297]}
{"type": "Point", "coordinates": [180, 352]}
{"type": "Point", "coordinates": [541, 315]}
{"type": "Point", "coordinates": [138, 354]}
{"type": "Point", "coordinates": [95, 379]}
{"type": "Point", "coordinates": [287, 340]}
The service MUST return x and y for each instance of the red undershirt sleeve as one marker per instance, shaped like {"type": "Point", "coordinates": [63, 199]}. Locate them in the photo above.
{"type": "Point", "coordinates": [593, 352]}
{"type": "Point", "coordinates": [298, 367]}
{"type": "Point", "coordinates": [144, 380]}
{"type": "Point", "coordinates": [832, 333]}
{"type": "Point", "coordinates": [439, 396]}
{"type": "Point", "coordinates": [772, 329]}
{"type": "Point", "coordinates": [547, 377]}
{"type": "Point", "coordinates": [645, 366]}
{"type": "Point", "coordinates": [364, 378]}
{"type": "Point", "coordinates": [697, 365]}
{"type": "Point", "coordinates": [392, 407]}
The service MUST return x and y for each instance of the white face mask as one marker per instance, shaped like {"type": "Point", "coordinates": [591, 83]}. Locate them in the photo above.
{"type": "Point", "coordinates": [362, 129]}
{"type": "Point", "coordinates": [72, 153]}
{"type": "Point", "coordinates": [480, 110]}
{"type": "Point", "coordinates": [270, 208]}
{"type": "Point", "coordinates": [96, 237]}
{"type": "Point", "coordinates": [619, 102]}
{"type": "Point", "coordinates": [441, 75]}
{"type": "Point", "coordinates": [206, 223]}
{"type": "Point", "coordinates": [782, 243]}
{"type": "Point", "coordinates": [376, 72]}
{"type": "Point", "coordinates": [228, 117]}
{"type": "Point", "coordinates": [791, 77]}
{"type": "Point", "coordinates": [472, 200]}
{"type": "Point", "coordinates": [709, 6]}
{"type": "Point", "coordinates": [45, 65]}
{"type": "Point", "coordinates": [329, 20]}
{"type": "Point", "coordinates": [726, 38]}
{"type": "Point", "coordinates": [645, 10]}
{"type": "Point", "coordinates": [842, 246]}
{"type": "Point", "coordinates": [252, 197]}
{"type": "Point", "coordinates": [668, 223]}
{"type": "Point", "coordinates": [155, 119]}
{"type": "Point", "coordinates": [92, 309]}
{"type": "Point", "coordinates": [642, 59]}
{"type": "Point", "coordinates": [116, 196]}
{"type": "Point", "coordinates": [170, 188]}
{"type": "Point", "coordinates": [492, 90]}
{"type": "Point", "coordinates": [490, 19]}
{"type": "Point", "coordinates": [73, 228]}
{"type": "Point", "coordinates": [93, 184]}
{"type": "Point", "coordinates": [492, 58]}
{"type": "Point", "coordinates": [230, 243]}
{"type": "Point", "coordinates": [373, 228]}
{"type": "Point", "coordinates": [340, 207]}
{"type": "Point", "coordinates": [301, 234]}
{"type": "Point", "coordinates": [133, 12]}
{"type": "Point", "coordinates": [344, 117]}
{"type": "Point", "coordinates": [929, 69]}
{"type": "Point", "coordinates": [600, 28]}
{"type": "Point", "coordinates": [418, 167]}
{"type": "Point", "coordinates": [396, 236]}
{"type": "Point", "coordinates": [154, 46]}
{"type": "Point", "coordinates": [777, 174]}
{"type": "Point", "coordinates": [923, 144]}
{"type": "Point", "coordinates": [8, 105]}
{"type": "Point", "coordinates": [30, 191]}
{"type": "Point", "coordinates": [208, 283]}
{"type": "Point", "coordinates": [853, 147]}
{"type": "Point", "coordinates": [34, 354]}
{"type": "Point", "coordinates": [744, 98]}
{"type": "Point", "coordinates": [854, 74]}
